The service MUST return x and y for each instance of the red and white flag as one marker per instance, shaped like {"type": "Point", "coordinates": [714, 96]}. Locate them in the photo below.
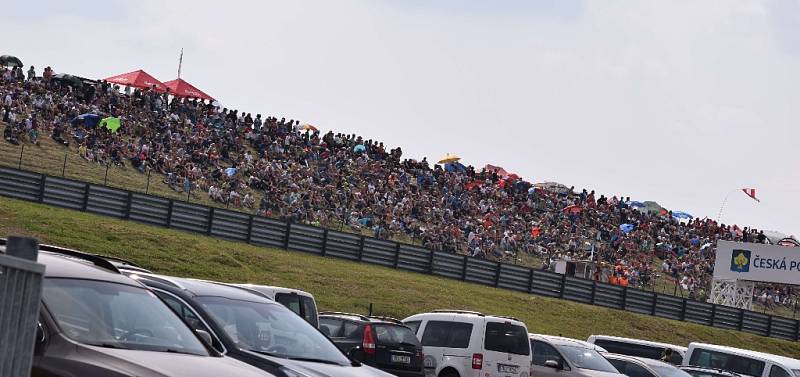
{"type": "Point", "coordinates": [751, 192]}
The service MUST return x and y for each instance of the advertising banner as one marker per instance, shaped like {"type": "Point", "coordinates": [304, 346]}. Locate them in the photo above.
{"type": "Point", "coordinates": [757, 262]}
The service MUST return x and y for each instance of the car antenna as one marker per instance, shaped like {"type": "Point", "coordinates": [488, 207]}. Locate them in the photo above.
{"type": "Point", "coordinates": [370, 309]}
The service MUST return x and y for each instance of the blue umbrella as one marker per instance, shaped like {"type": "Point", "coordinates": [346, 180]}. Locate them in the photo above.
{"type": "Point", "coordinates": [636, 204]}
{"type": "Point", "coordinates": [455, 166]}
{"type": "Point", "coordinates": [626, 228]}
{"type": "Point", "coordinates": [682, 215]}
{"type": "Point", "coordinates": [230, 171]}
{"type": "Point", "coordinates": [88, 120]}
{"type": "Point", "coordinates": [359, 148]}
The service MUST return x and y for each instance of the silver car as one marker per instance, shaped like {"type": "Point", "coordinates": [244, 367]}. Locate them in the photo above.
{"type": "Point", "coordinates": [555, 356]}
{"type": "Point", "coordinates": [642, 367]}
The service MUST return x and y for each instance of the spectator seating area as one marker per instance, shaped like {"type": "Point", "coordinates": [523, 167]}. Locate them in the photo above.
{"type": "Point", "coordinates": [330, 178]}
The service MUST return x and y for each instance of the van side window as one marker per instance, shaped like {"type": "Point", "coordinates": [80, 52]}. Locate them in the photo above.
{"type": "Point", "coordinates": [776, 371]}
{"type": "Point", "coordinates": [734, 363]}
{"type": "Point", "coordinates": [447, 334]}
{"type": "Point", "coordinates": [542, 352]}
{"type": "Point", "coordinates": [413, 325]}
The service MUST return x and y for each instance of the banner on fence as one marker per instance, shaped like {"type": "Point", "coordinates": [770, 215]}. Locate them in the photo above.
{"type": "Point", "coordinates": [757, 262]}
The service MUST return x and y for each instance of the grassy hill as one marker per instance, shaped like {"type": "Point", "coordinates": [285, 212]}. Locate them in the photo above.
{"type": "Point", "coordinates": [342, 285]}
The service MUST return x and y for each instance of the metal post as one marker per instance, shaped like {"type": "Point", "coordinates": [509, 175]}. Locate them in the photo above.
{"type": "Point", "coordinates": [147, 188]}
{"type": "Point", "coordinates": [64, 168]}
{"type": "Point", "coordinates": [21, 151]}
{"type": "Point", "coordinates": [105, 179]}
{"type": "Point", "coordinates": [324, 242]}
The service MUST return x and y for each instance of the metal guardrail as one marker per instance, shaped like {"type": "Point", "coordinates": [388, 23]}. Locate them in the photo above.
{"type": "Point", "coordinates": [20, 294]}
{"type": "Point", "coordinates": [263, 231]}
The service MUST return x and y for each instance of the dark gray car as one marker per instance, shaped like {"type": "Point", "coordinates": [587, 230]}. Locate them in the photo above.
{"type": "Point", "coordinates": [97, 322]}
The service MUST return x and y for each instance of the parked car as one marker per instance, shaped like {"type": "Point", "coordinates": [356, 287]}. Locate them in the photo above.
{"type": "Point", "coordinates": [741, 361]}
{"type": "Point", "coordinates": [96, 322]}
{"type": "Point", "coordinates": [707, 372]}
{"type": "Point", "coordinates": [300, 302]}
{"type": "Point", "coordinates": [638, 347]}
{"type": "Point", "coordinates": [555, 356]}
{"type": "Point", "coordinates": [643, 367]}
{"type": "Point", "coordinates": [254, 329]}
{"type": "Point", "coordinates": [384, 343]}
{"type": "Point", "coordinates": [470, 344]}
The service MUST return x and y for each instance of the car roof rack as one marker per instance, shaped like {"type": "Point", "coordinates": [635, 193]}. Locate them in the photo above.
{"type": "Point", "coordinates": [153, 277]}
{"type": "Point", "coordinates": [507, 317]}
{"type": "Point", "coordinates": [386, 319]}
{"type": "Point", "coordinates": [455, 311]}
{"type": "Point", "coordinates": [95, 259]}
{"type": "Point", "coordinates": [360, 316]}
{"type": "Point", "coordinates": [123, 262]}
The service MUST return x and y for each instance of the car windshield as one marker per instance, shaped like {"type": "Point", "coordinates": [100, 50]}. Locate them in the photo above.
{"type": "Point", "coordinates": [586, 358]}
{"type": "Point", "coordinates": [665, 370]}
{"type": "Point", "coordinates": [117, 316]}
{"type": "Point", "coordinates": [272, 329]}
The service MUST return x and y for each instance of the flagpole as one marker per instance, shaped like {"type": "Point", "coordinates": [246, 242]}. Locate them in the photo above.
{"type": "Point", "coordinates": [180, 63]}
{"type": "Point", "coordinates": [719, 215]}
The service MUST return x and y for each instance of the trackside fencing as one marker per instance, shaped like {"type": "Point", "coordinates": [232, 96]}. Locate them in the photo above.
{"type": "Point", "coordinates": [20, 292]}
{"type": "Point", "coordinates": [264, 231]}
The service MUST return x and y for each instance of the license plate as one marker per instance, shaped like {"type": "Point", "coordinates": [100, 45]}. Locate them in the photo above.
{"type": "Point", "coordinates": [507, 368]}
{"type": "Point", "coordinates": [401, 359]}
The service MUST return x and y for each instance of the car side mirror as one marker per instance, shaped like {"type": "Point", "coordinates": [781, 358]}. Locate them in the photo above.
{"type": "Point", "coordinates": [205, 336]}
{"type": "Point", "coordinates": [554, 364]}
{"type": "Point", "coordinates": [39, 333]}
{"type": "Point", "coordinates": [38, 347]}
{"type": "Point", "coordinates": [356, 354]}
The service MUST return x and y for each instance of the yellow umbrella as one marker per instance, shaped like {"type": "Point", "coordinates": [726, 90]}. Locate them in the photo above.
{"type": "Point", "coordinates": [308, 127]}
{"type": "Point", "coordinates": [449, 158]}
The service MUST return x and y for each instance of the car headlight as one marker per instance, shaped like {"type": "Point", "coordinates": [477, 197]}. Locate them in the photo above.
{"type": "Point", "coordinates": [292, 373]}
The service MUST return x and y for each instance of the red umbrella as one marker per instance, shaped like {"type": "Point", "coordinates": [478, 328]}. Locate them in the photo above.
{"type": "Point", "coordinates": [181, 88]}
{"type": "Point", "coordinates": [496, 169]}
{"type": "Point", "coordinates": [572, 209]}
{"type": "Point", "coordinates": [138, 79]}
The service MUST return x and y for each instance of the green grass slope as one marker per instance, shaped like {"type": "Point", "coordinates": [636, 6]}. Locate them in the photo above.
{"type": "Point", "coordinates": [343, 285]}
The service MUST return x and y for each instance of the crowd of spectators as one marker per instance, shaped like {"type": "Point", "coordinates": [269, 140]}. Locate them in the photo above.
{"type": "Point", "coordinates": [334, 179]}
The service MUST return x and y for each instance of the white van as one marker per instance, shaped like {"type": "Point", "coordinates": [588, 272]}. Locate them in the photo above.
{"type": "Point", "coordinates": [300, 302]}
{"type": "Point", "coordinates": [460, 343]}
{"type": "Point", "coordinates": [555, 356]}
{"type": "Point", "coordinates": [638, 347]}
{"type": "Point", "coordinates": [746, 362]}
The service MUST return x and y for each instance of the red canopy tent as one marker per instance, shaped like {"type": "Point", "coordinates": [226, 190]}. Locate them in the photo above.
{"type": "Point", "coordinates": [138, 79]}
{"type": "Point", "coordinates": [181, 88]}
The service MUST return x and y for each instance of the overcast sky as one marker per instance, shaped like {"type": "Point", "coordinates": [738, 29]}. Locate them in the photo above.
{"type": "Point", "coordinates": [677, 102]}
